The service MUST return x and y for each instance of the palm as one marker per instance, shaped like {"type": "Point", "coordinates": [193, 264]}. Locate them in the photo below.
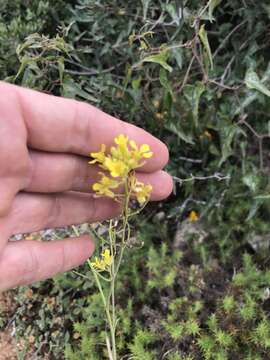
{"type": "Point", "coordinates": [45, 180]}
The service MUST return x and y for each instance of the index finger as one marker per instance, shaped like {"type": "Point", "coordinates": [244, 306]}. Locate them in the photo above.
{"type": "Point", "coordinates": [56, 124]}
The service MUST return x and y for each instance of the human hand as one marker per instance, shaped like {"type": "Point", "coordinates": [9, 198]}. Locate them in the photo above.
{"type": "Point", "coordinates": [45, 179]}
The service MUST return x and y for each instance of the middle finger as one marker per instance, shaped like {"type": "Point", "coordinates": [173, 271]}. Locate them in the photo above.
{"type": "Point", "coordinates": [57, 172]}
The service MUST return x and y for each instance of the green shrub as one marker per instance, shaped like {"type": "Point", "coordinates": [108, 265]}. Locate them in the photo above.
{"type": "Point", "coordinates": [198, 78]}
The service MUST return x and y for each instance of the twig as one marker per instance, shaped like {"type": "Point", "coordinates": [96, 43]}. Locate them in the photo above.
{"type": "Point", "coordinates": [260, 137]}
{"type": "Point", "coordinates": [224, 86]}
{"type": "Point", "coordinates": [216, 176]}
{"type": "Point", "coordinates": [197, 161]}
{"type": "Point", "coordinates": [186, 75]}
{"type": "Point", "coordinates": [227, 37]}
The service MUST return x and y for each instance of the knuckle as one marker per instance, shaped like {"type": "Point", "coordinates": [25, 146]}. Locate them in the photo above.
{"type": "Point", "coordinates": [81, 129]}
{"type": "Point", "coordinates": [94, 207]}
{"type": "Point", "coordinates": [80, 175]}
{"type": "Point", "coordinates": [54, 212]}
{"type": "Point", "coordinates": [30, 267]}
{"type": "Point", "coordinates": [62, 258]}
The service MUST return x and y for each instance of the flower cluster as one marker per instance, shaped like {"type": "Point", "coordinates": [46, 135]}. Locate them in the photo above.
{"type": "Point", "coordinates": [120, 164]}
{"type": "Point", "coordinates": [104, 262]}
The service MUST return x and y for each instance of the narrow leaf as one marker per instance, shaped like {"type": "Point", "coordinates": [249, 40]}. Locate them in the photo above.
{"type": "Point", "coordinates": [193, 94]}
{"type": "Point", "coordinates": [253, 81]}
{"type": "Point", "coordinates": [164, 81]}
{"type": "Point", "coordinates": [204, 39]}
{"type": "Point", "coordinates": [227, 134]}
{"type": "Point", "coordinates": [212, 5]}
{"type": "Point", "coordinates": [160, 59]}
{"type": "Point", "coordinates": [177, 130]}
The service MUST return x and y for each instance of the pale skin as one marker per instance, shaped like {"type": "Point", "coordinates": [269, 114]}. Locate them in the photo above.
{"type": "Point", "coordinates": [45, 179]}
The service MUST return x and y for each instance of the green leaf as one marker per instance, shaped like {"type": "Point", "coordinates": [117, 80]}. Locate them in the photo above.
{"type": "Point", "coordinates": [178, 55]}
{"type": "Point", "coordinates": [193, 94]}
{"type": "Point", "coordinates": [252, 181]}
{"type": "Point", "coordinates": [160, 59]}
{"type": "Point", "coordinates": [171, 9]}
{"type": "Point", "coordinates": [25, 61]}
{"type": "Point", "coordinates": [136, 83]}
{"type": "Point", "coordinates": [227, 134]}
{"type": "Point", "coordinates": [61, 68]}
{"type": "Point", "coordinates": [204, 39]}
{"type": "Point", "coordinates": [73, 90]}
{"type": "Point", "coordinates": [253, 81]}
{"type": "Point", "coordinates": [145, 5]}
{"type": "Point", "coordinates": [254, 209]}
{"type": "Point", "coordinates": [164, 81]}
{"type": "Point", "coordinates": [212, 5]}
{"type": "Point", "coordinates": [177, 130]}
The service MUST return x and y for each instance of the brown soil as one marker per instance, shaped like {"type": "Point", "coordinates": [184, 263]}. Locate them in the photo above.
{"type": "Point", "coordinates": [7, 346]}
{"type": "Point", "coordinates": [7, 342]}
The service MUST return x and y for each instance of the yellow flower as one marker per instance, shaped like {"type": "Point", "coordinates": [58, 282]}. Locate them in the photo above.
{"type": "Point", "coordinates": [121, 152]}
{"type": "Point", "coordinates": [193, 216]}
{"type": "Point", "coordinates": [99, 264]}
{"type": "Point", "coordinates": [117, 168]}
{"type": "Point", "coordinates": [123, 158]}
{"type": "Point", "coordinates": [107, 257]}
{"type": "Point", "coordinates": [142, 152]}
{"type": "Point", "coordinates": [121, 140]}
{"type": "Point", "coordinates": [98, 156]}
{"type": "Point", "coordinates": [142, 192]}
{"type": "Point", "coordinates": [105, 262]}
{"type": "Point", "coordinates": [104, 186]}
{"type": "Point", "coordinates": [129, 158]}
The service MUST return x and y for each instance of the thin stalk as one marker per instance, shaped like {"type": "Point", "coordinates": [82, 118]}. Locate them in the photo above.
{"type": "Point", "coordinates": [112, 289]}
{"type": "Point", "coordinates": [112, 330]}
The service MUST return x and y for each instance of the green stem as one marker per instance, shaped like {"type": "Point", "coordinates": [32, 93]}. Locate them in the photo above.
{"type": "Point", "coordinates": [112, 288]}
{"type": "Point", "coordinates": [112, 329]}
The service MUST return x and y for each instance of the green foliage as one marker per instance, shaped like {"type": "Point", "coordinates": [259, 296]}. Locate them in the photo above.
{"type": "Point", "coordinates": [197, 75]}
{"type": "Point", "coordinates": [139, 346]}
{"type": "Point", "coordinates": [17, 21]}
{"type": "Point", "coordinates": [162, 267]}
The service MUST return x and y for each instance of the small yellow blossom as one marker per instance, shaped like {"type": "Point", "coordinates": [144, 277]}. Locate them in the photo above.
{"type": "Point", "coordinates": [107, 257]}
{"type": "Point", "coordinates": [105, 262]}
{"type": "Point", "coordinates": [122, 151]}
{"type": "Point", "coordinates": [99, 264]}
{"type": "Point", "coordinates": [104, 186]}
{"type": "Point", "coordinates": [142, 192]}
{"type": "Point", "coordinates": [142, 152]}
{"type": "Point", "coordinates": [98, 156]}
{"type": "Point", "coordinates": [121, 140]}
{"type": "Point", "coordinates": [117, 168]}
{"type": "Point", "coordinates": [193, 216]}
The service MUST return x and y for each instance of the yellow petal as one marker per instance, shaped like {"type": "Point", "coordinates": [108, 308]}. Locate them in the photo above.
{"type": "Point", "coordinates": [193, 216]}
{"type": "Point", "coordinates": [144, 148]}
{"type": "Point", "coordinates": [96, 186]}
{"type": "Point", "coordinates": [133, 145]}
{"type": "Point", "coordinates": [147, 155]}
{"type": "Point", "coordinates": [121, 139]}
{"type": "Point", "coordinates": [107, 257]}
